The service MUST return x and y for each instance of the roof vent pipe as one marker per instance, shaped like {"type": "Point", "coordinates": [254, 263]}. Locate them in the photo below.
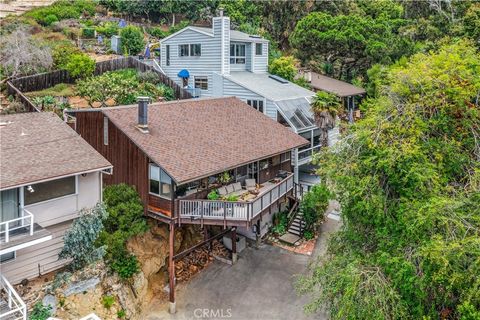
{"type": "Point", "coordinates": [221, 11]}
{"type": "Point", "coordinates": [143, 114]}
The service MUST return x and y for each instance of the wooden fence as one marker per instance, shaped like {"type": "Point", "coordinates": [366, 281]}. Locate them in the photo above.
{"type": "Point", "coordinates": [42, 81]}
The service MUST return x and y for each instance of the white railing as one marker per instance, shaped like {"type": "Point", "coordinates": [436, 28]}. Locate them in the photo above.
{"type": "Point", "coordinates": [25, 221]}
{"type": "Point", "coordinates": [195, 92]}
{"type": "Point", "coordinates": [234, 210]}
{"type": "Point", "coordinates": [16, 308]}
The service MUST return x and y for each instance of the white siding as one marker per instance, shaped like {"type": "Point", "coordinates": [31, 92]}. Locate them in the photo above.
{"type": "Point", "coordinates": [271, 109]}
{"type": "Point", "coordinates": [261, 62]}
{"type": "Point", "coordinates": [203, 65]}
{"type": "Point", "coordinates": [38, 259]}
{"type": "Point", "coordinates": [54, 211]}
{"type": "Point", "coordinates": [56, 216]}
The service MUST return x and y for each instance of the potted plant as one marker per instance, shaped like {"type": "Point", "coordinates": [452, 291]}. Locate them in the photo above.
{"type": "Point", "coordinates": [213, 195]}
{"type": "Point", "coordinates": [224, 178]}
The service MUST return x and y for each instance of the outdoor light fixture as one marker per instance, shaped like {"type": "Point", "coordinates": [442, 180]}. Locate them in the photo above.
{"type": "Point", "coordinates": [30, 189]}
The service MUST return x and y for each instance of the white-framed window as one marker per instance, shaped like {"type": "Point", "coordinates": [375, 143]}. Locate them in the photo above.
{"type": "Point", "coordinates": [237, 53]}
{"type": "Point", "coordinates": [196, 50]}
{"type": "Point", "coordinates": [256, 104]}
{"type": "Point", "coordinates": [49, 190]}
{"type": "Point", "coordinates": [183, 50]}
{"type": "Point", "coordinates": [160, 182]}
{"type": "Point", "coordinates": [6, 257]}
{"type": "Point", "coordinates": [201, 82]}
{"type": "Point", "coordinates": [258, 49]}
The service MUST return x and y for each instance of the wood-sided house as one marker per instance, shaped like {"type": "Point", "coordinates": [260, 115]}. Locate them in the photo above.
{"type": "Point", "coordinates": [176, 153]}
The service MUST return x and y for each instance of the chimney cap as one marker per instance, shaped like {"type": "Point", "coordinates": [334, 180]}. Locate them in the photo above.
{"type": "Point", "coordinates": [221, 11]}
{"type": "Point", "coordinates": [143, 98]}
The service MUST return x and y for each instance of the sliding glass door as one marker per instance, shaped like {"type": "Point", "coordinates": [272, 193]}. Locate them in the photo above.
{"type": "Point", "coordinates": [9, 207]}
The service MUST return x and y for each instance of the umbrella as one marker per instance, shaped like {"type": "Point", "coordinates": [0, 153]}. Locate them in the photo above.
{"type": "Point", "coordinates": [184, 73]}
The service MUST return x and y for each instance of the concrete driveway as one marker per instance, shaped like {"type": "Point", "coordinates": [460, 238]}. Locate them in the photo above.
{"type": "Point", "coordinates": [259, 286]}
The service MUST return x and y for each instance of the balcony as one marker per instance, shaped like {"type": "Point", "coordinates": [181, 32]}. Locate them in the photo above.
{"type": "Point", "coordinates": [12, 306]}
{"type": "Point", "coordinates": [237, 213]}
{"type": "Point", "coordinates": [21, 232]}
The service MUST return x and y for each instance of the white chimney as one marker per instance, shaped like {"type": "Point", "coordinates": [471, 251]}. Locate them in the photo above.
{"type": "Point", "coordinates": [221, 31]}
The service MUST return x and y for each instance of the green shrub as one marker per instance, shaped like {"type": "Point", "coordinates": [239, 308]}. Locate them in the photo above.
{"type": "Point", "coordinates": [121, 314]}
{"type": "Point", "coordinates": [132, 40]}
{"type": "Point", "coordinates": [284, 67]}
{"type": "Point", "coordinates": [80, 65]}
{"type": "Point", "coordinates": [125, 265]}
{"type": "Point", "coordinates": [79, 240]}
{"type": "Point", "coordinates": [62, 10]}
{"type": "Point", "coordinates": [280, 221]}
{"type": "Point", "coordinates": [308, 235]}
{"type": "Point", "coordinates": [149, 76]}
{"type": "Point", "coordinates": [88, 32]}
{"type": "Point", "coordinates": [108, 301]}
{"type": "Point", "coordinates": [108, 29]}
{"type": "Point", "coordinates": [40, 312]}
{"type": "Point", "coordinates": [167, 92]}
{"type": "Point", "coordinates": [125, 219]}
{"type": "Point", "coordinates": [50, 19]}
{"type": "Point", "coordinates": [313, 205]}
{"type": "Point", "coordinates": [213, 195]}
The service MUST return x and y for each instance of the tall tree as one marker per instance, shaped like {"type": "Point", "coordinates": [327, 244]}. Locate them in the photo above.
{"type": "Point", "coordinates": [408, 179]}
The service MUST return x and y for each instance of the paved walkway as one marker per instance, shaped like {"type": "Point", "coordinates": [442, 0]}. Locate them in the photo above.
{"type": "Point", "coordinates": [259, 286]}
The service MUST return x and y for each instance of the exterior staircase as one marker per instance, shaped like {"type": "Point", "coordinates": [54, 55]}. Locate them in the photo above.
{"type": "Point", "coordinates": [298, 225]}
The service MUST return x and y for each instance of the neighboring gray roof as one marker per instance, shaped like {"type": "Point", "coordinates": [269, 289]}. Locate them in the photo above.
{"type": "Point", "coordinates": [261, 84]}
{"type": "Point", "coordinates": [337, 87]}
{"type": "Point", "coordinates": [235, 35]}
{"type": "Point", "coordinates": [37, 146]}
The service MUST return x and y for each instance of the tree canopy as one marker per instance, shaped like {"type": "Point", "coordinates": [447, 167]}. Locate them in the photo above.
{"type": "Point", "coordinates": [408, 179]}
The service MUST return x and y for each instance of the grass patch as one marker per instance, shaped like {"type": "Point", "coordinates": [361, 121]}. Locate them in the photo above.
{"type": "Point", "coordinates": [60, 90]}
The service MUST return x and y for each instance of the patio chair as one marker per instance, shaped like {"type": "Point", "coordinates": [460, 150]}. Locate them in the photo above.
{"type": "Point", "coordinates": [250, 184]}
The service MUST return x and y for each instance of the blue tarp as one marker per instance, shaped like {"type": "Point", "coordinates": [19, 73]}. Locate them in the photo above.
{"type": "Point", "coordinates": [184, 73]}
{"type": "Point", "coordinates": [122, 23]}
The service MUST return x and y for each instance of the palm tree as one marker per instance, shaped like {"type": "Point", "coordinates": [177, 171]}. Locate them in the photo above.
{"type": "Point", "coordinates": [325, 107]}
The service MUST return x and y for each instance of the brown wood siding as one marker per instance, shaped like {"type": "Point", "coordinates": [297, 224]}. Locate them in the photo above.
{"type": "Point", "coordinates": [271, 172]}
{"type": "Point", "coordinates": [162, 205]}
{"type": "Point", "coordinates": [130, 164]}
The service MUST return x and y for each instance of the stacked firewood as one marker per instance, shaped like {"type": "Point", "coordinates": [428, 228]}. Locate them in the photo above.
{"type": "Point", "coordinates": [197, 260]}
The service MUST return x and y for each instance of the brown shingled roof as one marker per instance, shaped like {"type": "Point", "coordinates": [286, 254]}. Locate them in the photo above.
{"type": "Point", "coordinates": [191, 139]}
{"type": "Point", "coordinates": [39, 146]}
{"type": "Point", "coordinates": [337, 87]}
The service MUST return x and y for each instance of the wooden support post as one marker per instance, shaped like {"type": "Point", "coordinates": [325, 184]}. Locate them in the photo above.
{"type": "Point", "coordinates": [257, 235]}
{"type": "Point", "coordinates": [205, 238]}
{"type": "Point", "coordinates": [171, 268]}
{"type": "Point", "coordinates": [234, 245]}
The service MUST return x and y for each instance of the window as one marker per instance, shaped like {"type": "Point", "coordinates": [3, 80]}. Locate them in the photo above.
{"type": "Point", "coordinates": [256, 104]}
{"type": "Point", "coordinates": [7, 257]}
{"type": "Point", "coordinates": [183, 50]}
{"type": "Point", "coordinates": [49, 190]}
{"type": "Point", "coordinates": [160, 182]}
{"type": "Point", "coordinates": [237, 54]}
{"type": "Point", "coordinates": [258, 49]}
{"type": "Point", "coordinates": [201, 83]}
{"type": "Point", "coordinates": [105, 131]}
{"type": "Point", "coordinates": [316, 137]}
{"type": "Point", "coordinates": [284, 157]}
{"type": "Point", "coordinates": [168, 54]}
{"type": "Point", "coordinates": [196, 50]}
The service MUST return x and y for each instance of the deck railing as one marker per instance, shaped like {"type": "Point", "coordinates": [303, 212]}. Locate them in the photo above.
{"type": "Point", "coordinates": [23, 222]}
{"type": "Point", "coordinates": [12, 306]}
{"type": "Point", "coordinates": [234, 210]}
